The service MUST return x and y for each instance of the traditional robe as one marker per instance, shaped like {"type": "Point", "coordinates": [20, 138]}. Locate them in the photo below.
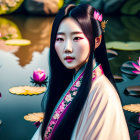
{"type": "Point", "coordinates": [102, 117]}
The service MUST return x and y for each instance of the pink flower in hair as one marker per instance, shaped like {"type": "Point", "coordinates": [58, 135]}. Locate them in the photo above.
{"type": "Point", "coordinates": [100, 18]}
{"type": "Point", "coordinates": [97, 16]}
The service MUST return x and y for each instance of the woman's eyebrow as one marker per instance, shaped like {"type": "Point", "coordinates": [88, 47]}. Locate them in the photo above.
{"type": "Point", "coordinates": [60, 33]}
{"type": "Point", "coordinates": [75, 32]}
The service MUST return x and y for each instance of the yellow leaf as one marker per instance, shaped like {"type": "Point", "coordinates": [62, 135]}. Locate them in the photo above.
{"type": "Point", "coordinates": [132, 108]}
{"type": "Point", "coordinates": [27, 90]}
{"type": "Point", "coordinates": [34, 117]}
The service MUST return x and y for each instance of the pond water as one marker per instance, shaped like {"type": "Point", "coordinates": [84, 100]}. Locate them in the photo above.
{"type": "Point", "coordinates": [17, 64]}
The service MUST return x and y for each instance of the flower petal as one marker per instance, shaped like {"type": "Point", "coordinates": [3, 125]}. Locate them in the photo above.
{"type": "Point", "coordinates": [100, 18]}
{"type": "Point", "coordinates": [136, 66]}
{"type": "Point", "coordinates": [96, 15]}
{"type": "Point", "coordinates": [136, 72]}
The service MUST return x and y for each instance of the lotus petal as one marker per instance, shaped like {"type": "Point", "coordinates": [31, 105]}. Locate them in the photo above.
{"type": "Point", "coordinates": [136, 66]}
{"type": "Point", "coordinates": [136, 72]}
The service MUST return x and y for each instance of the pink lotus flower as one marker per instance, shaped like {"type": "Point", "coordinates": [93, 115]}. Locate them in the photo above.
{"type": "Point", "coordinates": [39, 75]}
{"type": "Point", "coordinates": [137, 67]}
{"type": "Point", "coordinates": [97, 16]}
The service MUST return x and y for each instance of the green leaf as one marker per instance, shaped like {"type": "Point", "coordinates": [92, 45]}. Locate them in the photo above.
{"type": "Point", "coordinates": [128, 46]}
{"type": "Point", "coordinates": [18, 42]}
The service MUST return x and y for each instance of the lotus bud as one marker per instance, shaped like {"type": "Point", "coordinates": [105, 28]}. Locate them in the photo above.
{"type": "Point", "coordinates": [39, 75]}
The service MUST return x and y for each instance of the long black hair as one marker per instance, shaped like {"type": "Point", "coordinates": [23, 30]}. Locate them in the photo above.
{"type": "Point", "coordinates": [60, 76]}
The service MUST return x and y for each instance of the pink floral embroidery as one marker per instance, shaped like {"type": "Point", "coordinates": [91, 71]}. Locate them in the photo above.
{"type": "Point", "coordinates": [49, 128]}
{"type": "Point", "coordinates": [74, 93]}
{"type": "Point", "coordinates": [78, 84]}
{"type": "Point", "coordinates": [52, 123]}
{"type": "Point", "coordinates": [73, 88]}
{"type": "Point", "coordinates": [56, 116]}
{"type": "Point", "coordinates": [68, 98]}
{"type": "Point", "coordinates": [61, 108]}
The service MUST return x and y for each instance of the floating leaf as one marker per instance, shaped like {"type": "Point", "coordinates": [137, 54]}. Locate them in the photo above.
{"type": "Point", "coordinates": [34, 117]}
{"type": "Point", "coordinates": [27, 90]}
{"type": "Point", "coordinates": [134, 121]}
{"type": "Point", "coordinates": [8, 7]}
{"type": "Point", "coordinates": [111, 54]}
{"type": "Point", "coordinates": [9, 30]}
{"type": "Point", "coordinates": [117, 78]}
{"type": "Point", "coordinates": [132, 108]}
{"type": "Point", "coordinates": [128, 46]}
{"type": "Point", "coordinates": [133, 91]}
{"type": "Point", "coordinates": [127, 68]}
{"type": "Point", "coordinates": [18, 42]}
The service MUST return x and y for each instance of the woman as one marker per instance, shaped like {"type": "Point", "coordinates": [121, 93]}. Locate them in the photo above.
{"type": "Point", "coordinates": [81, 103]}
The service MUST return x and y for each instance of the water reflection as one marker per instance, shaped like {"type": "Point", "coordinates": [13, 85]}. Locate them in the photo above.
{"type": "Point", "coordinates": [123, 28]}
{"type": "Point", "coordinates": [18, 62]}
{"type": "Point", "coordinates": [37, 30]}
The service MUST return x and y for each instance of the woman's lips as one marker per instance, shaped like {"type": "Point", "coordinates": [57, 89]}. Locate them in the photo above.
{"type": "Point", "coordinates": [69, 59]}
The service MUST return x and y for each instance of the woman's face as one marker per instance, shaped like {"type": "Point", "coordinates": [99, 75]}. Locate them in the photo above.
{"type": "Point", "coordinates": [71, 44]}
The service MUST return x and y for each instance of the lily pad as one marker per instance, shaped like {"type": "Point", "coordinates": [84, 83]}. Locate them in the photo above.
{"type": "Point", "coordinates": [27, 90]}
{"type": "Point", "coordinates": [34, 117]}
{"type": "Point", "coordinates": [111, 54]}
{"type": "Point", "coordinates": [133, 91]}
{"type": "Point", "coordinates": [9, 6]}
{"type": "Point", "coordinates": [9, 30]}
{"type": "Point", "coordinates": [133, 121]}
{"type": "Point", "coordinates": [132, 108]}
{"type": "Point", "coordinates": [117, 78]}
{"type": "Point", "coordinates": [18, 42]}
{"type": "Point", "coordinates": [128, 46]}
{"type": "Point", "coordinates": [127, 68]}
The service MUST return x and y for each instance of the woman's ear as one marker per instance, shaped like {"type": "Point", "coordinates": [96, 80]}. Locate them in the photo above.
{"type": "Point", "coordinates": [98, 41]}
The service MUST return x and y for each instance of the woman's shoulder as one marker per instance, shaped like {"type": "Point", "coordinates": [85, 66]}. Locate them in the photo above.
{"type": "Point", "coordinates": [103, 87]}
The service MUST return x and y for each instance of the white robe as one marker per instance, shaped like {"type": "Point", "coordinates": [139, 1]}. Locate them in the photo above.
{"type": "Point", "coordinates": [102, 117]}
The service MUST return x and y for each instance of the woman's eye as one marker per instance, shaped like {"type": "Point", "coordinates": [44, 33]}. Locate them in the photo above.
{"type": "Point", "coordinates": [77, 38]}
{"type": "Point", "coordinates": [59, 39]}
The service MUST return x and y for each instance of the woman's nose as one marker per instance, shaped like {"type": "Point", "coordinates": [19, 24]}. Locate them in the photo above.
{"type": "Point", "coordinates": [68, 46]}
